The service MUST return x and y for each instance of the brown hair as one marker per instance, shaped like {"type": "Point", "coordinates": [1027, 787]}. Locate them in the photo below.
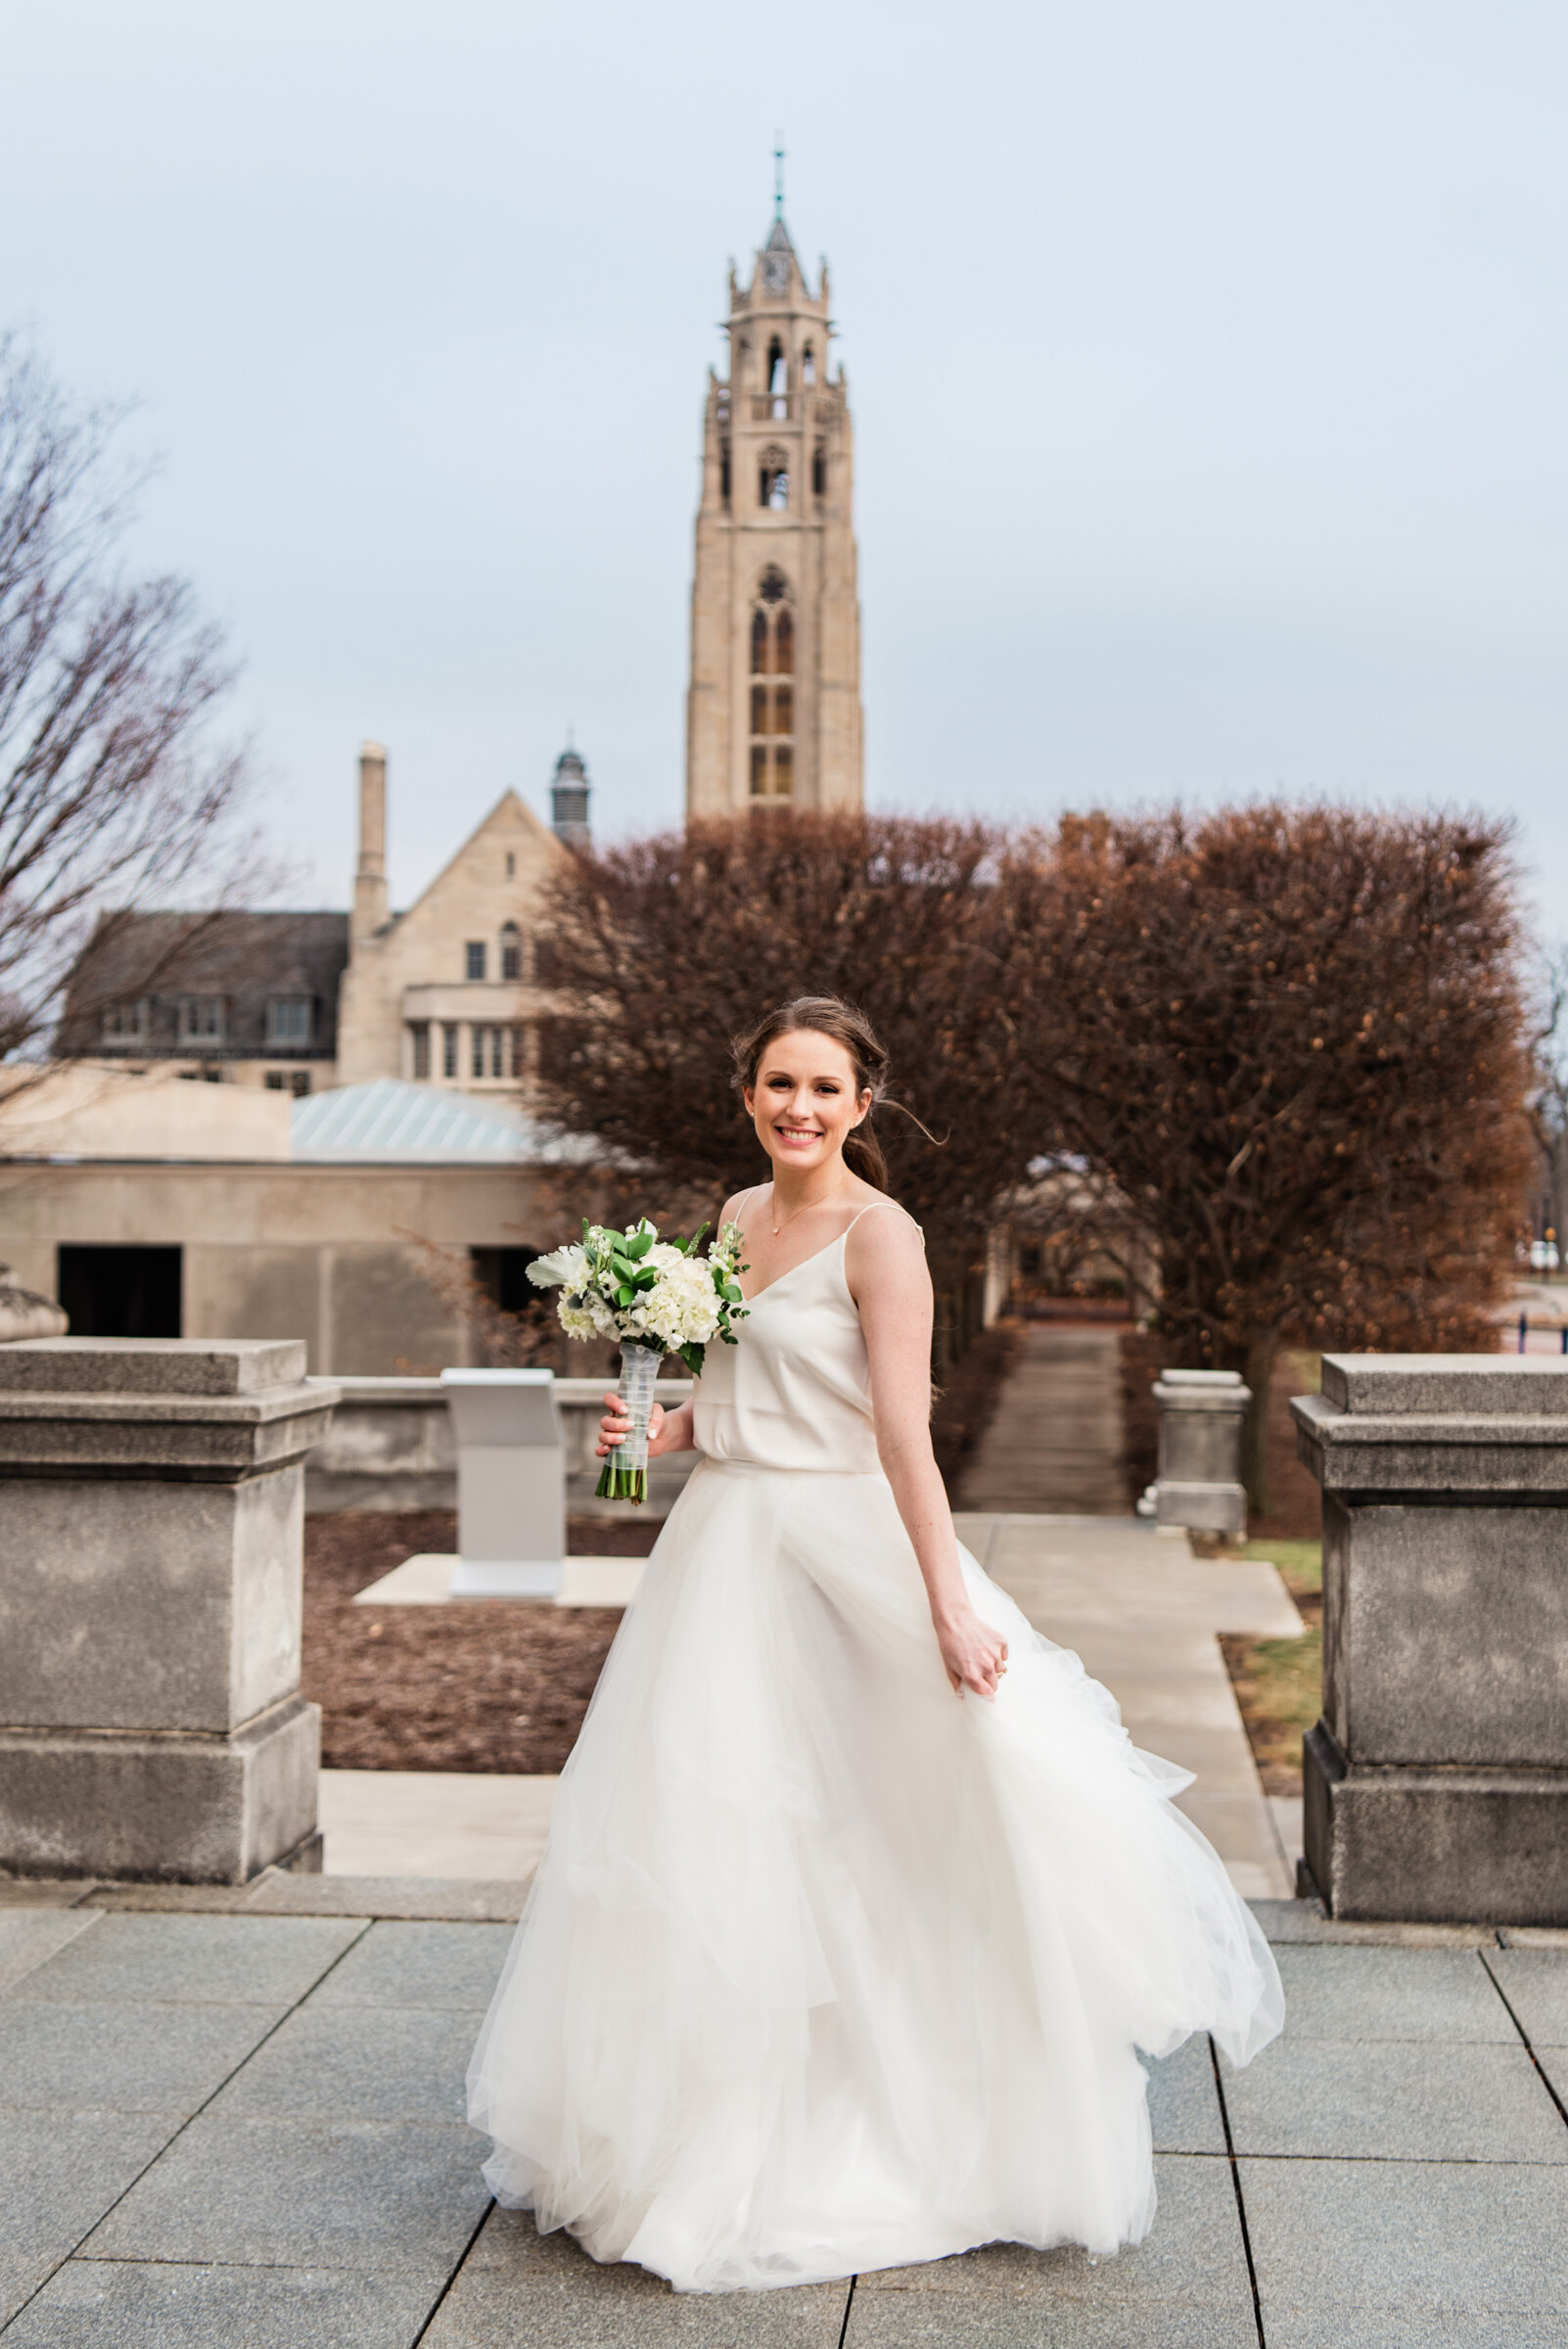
{"type": "Point", "coordinates": [828, 1015]}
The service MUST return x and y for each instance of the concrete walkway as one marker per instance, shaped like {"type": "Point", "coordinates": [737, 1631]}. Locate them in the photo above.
{"type": "Point", "coordinates": [1055, 1438]}
{"type": "Point", "coordinates": [243, 2129]}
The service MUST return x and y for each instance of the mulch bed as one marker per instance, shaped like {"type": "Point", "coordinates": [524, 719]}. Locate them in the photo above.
{"type": "Point", "coordinates": [478, 1685]}
{"type": "Point", "coordinates": [491, 1687]}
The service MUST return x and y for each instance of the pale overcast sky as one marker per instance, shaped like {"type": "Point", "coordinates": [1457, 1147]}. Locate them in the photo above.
{"type": "Point", "coordinates": [1208, 366]}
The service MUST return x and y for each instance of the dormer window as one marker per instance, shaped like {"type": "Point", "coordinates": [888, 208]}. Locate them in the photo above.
{"type": "Point", "coordinates": [289, 1022]}
{"type": "Point", "coordinates": [202, 1020]}
{"type": "Point", "coordinates": [126, 1023]}
{"type": "Point", "coordinates": [474, 958]}
{"type": "Point", "coordinates": [511, 951]}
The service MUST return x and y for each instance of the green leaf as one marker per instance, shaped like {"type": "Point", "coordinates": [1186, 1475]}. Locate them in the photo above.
{"type": "Point", "coordinates": [638, 1248]}
{"type": "Point", "coordinates": [691, 1354]}
{"type": "Point", "coordinates": [626, 1297]}
{"type": "Point", "coordinates": [731, 1294]}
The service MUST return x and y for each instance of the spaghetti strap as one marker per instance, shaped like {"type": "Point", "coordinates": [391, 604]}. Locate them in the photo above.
{"type": "Point", "coordinates": [869, 1209]}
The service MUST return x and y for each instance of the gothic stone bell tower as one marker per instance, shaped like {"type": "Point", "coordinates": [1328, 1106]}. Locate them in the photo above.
{"type": "Point", "coordinates": [773, 707]}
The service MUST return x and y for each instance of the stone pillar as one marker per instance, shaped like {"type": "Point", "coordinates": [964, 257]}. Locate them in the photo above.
{"type": "Point", "coordinates": [510, 1484]}
{"type": "Point", "coordinates": [151, 1519]}
{"type": "Point", "coordinates": [1437, 1780]}
{"type": "Point", "coordinates": [1199, 1486]}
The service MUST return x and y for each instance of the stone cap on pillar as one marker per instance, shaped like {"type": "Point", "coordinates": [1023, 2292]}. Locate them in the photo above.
{"type": "Point", "coordinates": [1202, 1391]}
{"type": "Point", "coordinates": [178, 1409]}
{"type": "Point", "coordinates": [151, 1365]}
{"type": "Point", "coordinates": [1394, 1425]}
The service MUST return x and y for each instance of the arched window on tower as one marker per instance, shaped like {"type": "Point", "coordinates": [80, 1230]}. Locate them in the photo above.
{"type": "Point", "coordinates": [723, 471]}
{"type": "Point", "coordinates": [778, 372]}
{"type": "Point", "coordinates": [771, 743]}
{"type": "Point", "coordinates": [807, 365]}
{"type": "Point", "coordinates": [819, 471]}
{"type": "Point", "coordinates": [773, 480]}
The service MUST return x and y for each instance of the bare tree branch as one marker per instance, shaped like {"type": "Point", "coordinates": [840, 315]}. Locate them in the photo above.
{"type": "Point", "coordinates": [113, 796]}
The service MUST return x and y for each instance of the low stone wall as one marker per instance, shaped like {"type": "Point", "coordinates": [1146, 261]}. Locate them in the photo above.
{"type": "Point", "coordinates": [391, 1446]}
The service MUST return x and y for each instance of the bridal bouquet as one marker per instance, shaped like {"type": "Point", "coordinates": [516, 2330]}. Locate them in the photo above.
{"type": "Point", "coordinates": [653, 1297]}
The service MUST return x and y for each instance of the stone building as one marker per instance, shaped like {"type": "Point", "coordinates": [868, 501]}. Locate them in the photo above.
{"type": "Point", "coordinates": [773, 708]}
{"type": "Point", "coordinates": [450, 993]}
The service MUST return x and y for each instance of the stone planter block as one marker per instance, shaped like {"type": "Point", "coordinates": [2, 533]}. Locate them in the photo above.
{"type": "Point", "coordinates": [152, 1497]}
{"type": "Point", "coordinates": [1436, 1782]}
{"type": "Point", "coordinates": [1201, 1414]}
{"type": "Point", "coordinates": [511, 1483]}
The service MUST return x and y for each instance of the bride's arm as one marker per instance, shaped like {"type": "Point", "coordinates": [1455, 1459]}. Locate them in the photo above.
{"type": "Point", "coordinates": [668, 1431]}
{"type": "Point", "coordinates": [886, 1268]}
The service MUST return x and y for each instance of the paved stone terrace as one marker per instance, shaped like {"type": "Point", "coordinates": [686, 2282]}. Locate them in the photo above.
{"type": "Point", "coordinates": [223, 2123]}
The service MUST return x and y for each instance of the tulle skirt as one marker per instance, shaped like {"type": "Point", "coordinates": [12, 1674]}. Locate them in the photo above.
{"type": "Point", "coordinates": [826, 1969]}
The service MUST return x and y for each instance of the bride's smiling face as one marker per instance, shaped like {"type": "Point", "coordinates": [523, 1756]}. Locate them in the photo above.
{"type": "Point", "coordinates": [804, 1103]}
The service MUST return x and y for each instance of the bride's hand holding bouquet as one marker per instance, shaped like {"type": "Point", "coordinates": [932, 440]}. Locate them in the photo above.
{"type": "Point", "coordinates": [654, 1297]}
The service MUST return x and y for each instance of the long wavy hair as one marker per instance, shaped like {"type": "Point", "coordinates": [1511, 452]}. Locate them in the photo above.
{"type": "Point", "coordinates": [847, 1024]}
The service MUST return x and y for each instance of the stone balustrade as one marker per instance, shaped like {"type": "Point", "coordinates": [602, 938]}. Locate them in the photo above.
{"type": "Point", "coordinates": [1437, 1780]}
{"type": "Point", "coordinates": [151, 1519]}
{"type": "Point", "coordinates": [391, 1446]}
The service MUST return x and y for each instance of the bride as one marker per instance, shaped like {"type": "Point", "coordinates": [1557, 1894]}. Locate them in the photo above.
{"type": "Point", "coordinates": [858, 1905]}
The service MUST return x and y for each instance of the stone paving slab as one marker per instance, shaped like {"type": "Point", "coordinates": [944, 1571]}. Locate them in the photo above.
{"type": "Point", "coordinates": [385, 2063]}
{"type": "Point", "coordinates": [40, 1892]}
{"type": "Point", "coordinates": [1184, 2100]}
{"type": "Point", "coordinates": [1534, 1983]}
{"type": "Point", "coordinates": [385, 2197]}
{"type": "Point", "coordinates": [1384, 1994]}
{"type": "Point", "coordinates": [1186, 2286]}
{"type": "Point", "coordinates": [278, 1891]}
{"type": "Point", "coordinates": [108, 2304]}
{"type": "Point", "coordinates": [460, 1899]}
{"type": "Point", "coordinates": [59, 2172]}
{"type": "Point", "coordinates": [517, 2286]}
{"type": "Point", "coordinates": [30, 1936]}
{"type": "Point", "coordinates": [1293, 1923]}
{"type": "Point", "coordinates": [1361, 2255]}
{"type": "Point", "coordinates": [123, 2057]}
{"type": "Point", "coordinates": [1377, 2101]}
{"type": "Point", "coordinates": [403, 1964]}
{"type": "Point", "coordinates": [194, 1960]}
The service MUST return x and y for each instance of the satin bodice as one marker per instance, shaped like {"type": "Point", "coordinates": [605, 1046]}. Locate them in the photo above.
{"type": "Point", "coordinates": [795, 1389]}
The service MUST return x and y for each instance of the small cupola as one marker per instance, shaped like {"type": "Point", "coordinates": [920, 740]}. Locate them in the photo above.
{"type": "Point", "coordinates": [569, 801]}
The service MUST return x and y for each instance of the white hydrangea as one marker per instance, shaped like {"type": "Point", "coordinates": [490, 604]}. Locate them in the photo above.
{"type": "Point", "coordinates": [681, 1309]}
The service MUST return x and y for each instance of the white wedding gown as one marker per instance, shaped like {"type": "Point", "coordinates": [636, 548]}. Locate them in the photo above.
{"type": "Point", "coordinates": [825, 1967]}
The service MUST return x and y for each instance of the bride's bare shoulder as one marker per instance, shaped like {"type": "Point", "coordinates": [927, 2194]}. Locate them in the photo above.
{"type": "Point", "coordinates": [885, 1242]}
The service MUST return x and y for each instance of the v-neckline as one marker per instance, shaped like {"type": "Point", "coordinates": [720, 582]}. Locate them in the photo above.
{"type": "Point", "coordinates": [827, 1245]}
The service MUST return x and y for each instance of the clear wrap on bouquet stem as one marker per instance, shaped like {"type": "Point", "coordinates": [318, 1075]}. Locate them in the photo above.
{"type": "Point", "coordinates": [625, 1471]}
